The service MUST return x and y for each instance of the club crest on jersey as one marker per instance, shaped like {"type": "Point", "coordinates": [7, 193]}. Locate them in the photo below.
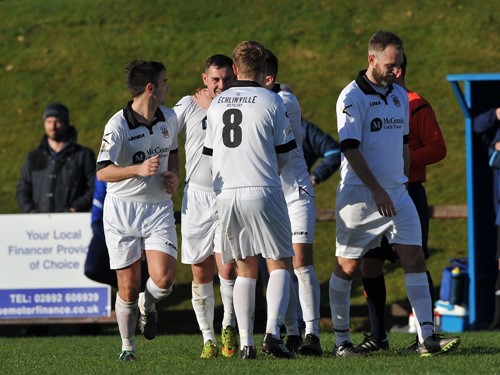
{"type": "Point", "coordinates": [164, 131]}
{"type": "Point", "coordinates": [396, 101]}
{"type": "Point", "coordinates": [376, 125]}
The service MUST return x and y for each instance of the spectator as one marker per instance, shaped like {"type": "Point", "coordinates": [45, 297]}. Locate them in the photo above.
{"type": "Point", "coordinates": [488, 125]}
{"type": "Point", "coordinates": [58, 176]}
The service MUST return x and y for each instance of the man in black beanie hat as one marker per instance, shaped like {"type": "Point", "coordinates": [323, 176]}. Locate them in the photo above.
{"type": "Point", "coordinates": [58, 176]}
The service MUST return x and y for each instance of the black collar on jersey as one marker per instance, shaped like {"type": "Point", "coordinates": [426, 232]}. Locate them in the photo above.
{"type": "Point", "coordinates": [133, 123]}
{"type": "Point", "coordinates": [243, 83]}
{"type": "Point", "coordinates": [369, 90]}
{"type": "Point", "coordinates": [276, 88]}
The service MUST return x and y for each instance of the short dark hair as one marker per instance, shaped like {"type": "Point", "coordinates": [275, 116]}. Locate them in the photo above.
{"type": "Point", "coordinates": [271, 64]}
{"type": "Point", "coordinates": [381, 39]}
{"type": "Point", "coordinates": [140, 73]}
{"type": "Point", "coordinates": [219, 61]}
{"type": "Point", "coordinates": [404, 64]}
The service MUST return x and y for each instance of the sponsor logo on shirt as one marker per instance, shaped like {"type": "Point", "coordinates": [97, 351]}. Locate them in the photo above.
{"type": "Point", "coordinates": [393, 123]}
{"type": "Point", "coordinates": [138, 136]}
{"type": "Point", "coordinates": [386, 123]}
{"type": "Point", "coordinates": [237, 99]}
{"type": "Point", "coordinates": [157, 150]}
{"type": "Point", "coordinates": [138, 157]}
{"type": "Point", "coordinates": [375, 125]}
{"type": "Point", "coordinates": [372, 104]}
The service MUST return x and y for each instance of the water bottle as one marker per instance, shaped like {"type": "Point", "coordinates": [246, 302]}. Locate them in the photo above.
{"type": "Point", "coordinates": [456, 287]}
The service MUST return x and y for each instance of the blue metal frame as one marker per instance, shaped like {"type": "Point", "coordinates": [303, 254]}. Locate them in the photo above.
{"type": "Point", "coordinates": [465, 102]}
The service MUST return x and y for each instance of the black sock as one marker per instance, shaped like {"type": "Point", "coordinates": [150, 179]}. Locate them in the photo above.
{"type": "Point", "coordinates": [431, 291]}
{"type": "Point", "coordinates": [375, 294]}
{"type": "Point", "coordinates": [496, 316]}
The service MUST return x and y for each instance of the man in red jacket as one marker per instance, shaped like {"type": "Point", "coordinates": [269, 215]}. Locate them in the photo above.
{"type": "Point", "coordinates": [427, 147]}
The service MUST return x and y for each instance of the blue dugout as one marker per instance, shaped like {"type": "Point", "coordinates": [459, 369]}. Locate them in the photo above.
{"type": "Point", "coordinates": [477, 93]}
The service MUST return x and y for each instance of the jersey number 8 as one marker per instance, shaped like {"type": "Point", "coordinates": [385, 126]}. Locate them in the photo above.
{"type": "Point", "coordinates": [231, 134]}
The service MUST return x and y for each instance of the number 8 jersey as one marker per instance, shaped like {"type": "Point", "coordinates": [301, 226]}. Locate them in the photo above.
{"type": "Point", "coordinates": [247, 126]}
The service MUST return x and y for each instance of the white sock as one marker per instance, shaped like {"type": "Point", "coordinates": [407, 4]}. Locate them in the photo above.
{"type": "Point", "coordinates": [126, 317]}
{"type": "Point", "coordinates": [417, 289]}
{"type": "Point", "coordinates": [153, 294]}
{"type": "Point", "coordinates": [226, 292]}
{"type": "Point", "coordinates": [310, 298]}
{"type": "Point", "coordinates": [277, 296]}
{"type": "Point", "coordinates": [244, 307]}
{"type": "Point", "coordinates": [340, 299]}
{"type": "Point", "coordinates": [418, 328]}
{"type": "Point", "coordinates": [203, 301]}
{"type": "Point", "coordinates": [291, 320]}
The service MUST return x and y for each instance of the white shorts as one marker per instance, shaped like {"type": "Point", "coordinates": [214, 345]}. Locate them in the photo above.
{"type": "Point", "coordinates": [200, 226]}
{"type": "Point", "coordinates": [360, 226]}
{"type": "Point", "coordinates": [254, 221]}
{"type": "Point", "coordinates": [302, 214]}
{"type": "Point", "coordinates": [131, 227]}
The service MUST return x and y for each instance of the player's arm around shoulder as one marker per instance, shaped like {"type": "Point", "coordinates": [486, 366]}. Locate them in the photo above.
{"type": "Point", "coordinates": [171, 176]}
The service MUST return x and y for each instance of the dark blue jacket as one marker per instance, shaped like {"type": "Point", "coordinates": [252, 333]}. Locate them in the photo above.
{"type": "Point", "coordinates": [488, 126]}
{"type": "Point", "coordinates": [317, 144]}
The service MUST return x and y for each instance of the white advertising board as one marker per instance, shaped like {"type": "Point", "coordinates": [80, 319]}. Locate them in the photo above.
{"type": "Point", "coordinates": [42, 258]}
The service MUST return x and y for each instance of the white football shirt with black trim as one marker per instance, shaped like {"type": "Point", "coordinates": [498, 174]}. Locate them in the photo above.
{"type": "Point", "coordinates": [294, 175]}
{"type": "Point", "coordinates": [247, 126]}
{"type": "Point", "coordinates": [379, 121]}
{"type": "Point", "coordinates": [127, 142]}
{"type": "Point", "coordinates": [193, 122]}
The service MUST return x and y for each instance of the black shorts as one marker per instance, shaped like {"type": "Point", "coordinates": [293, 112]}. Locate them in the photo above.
{"type": "Point", "coordinates": [385, 251]}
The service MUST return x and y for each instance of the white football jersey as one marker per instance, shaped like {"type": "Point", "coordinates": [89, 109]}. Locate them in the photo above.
{"type": "Point", "coordinates": [247, 127]}
{"type": "Point", "coordinates": [127, 142]}
{"type": "Point", "coordinates": [378, 121]}
{"type": "Point", "coordinates": [193, 122]}
{"type": "Point", "coordinates": [294, 175]}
